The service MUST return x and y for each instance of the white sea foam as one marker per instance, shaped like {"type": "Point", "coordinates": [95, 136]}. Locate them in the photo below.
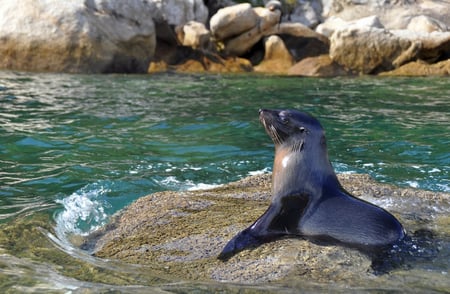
{"type": "Point", "coordinates": [84, 211]}
{"type": "Point", "coordinates": [259, 172]}
{"type": "Point", "coordinates": [202, 186]}
{"type": "Point", "coordinates": [173, 183]}
{"type": "Point", "coordinates": [413, 184]}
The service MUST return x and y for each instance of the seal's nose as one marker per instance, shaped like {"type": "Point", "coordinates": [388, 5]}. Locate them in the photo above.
{"type": "Point", "coordinates": [261, 110]}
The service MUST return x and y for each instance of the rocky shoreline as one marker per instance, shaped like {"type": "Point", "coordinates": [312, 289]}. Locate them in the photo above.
{"type": "Point", "coordinates": [180, 234]}
{"type": "Point", "coordinates": [303, 38]}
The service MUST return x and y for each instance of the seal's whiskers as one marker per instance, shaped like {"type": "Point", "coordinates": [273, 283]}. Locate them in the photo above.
{"type": "Point", "coordinates": [297, 146]}
{"type": "Point", "coordinates": [276, 137]}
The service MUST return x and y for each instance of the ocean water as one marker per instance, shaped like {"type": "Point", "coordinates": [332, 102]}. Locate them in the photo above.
{"type": "Point", "coordinates": [78, 148]}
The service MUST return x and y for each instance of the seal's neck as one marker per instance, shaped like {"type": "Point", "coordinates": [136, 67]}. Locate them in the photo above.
{"type": "Point", "coordinates": [303, 171]}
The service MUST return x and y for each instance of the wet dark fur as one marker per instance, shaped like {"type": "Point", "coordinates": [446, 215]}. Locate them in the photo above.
{"type": "Point", "coordinates": [308, 200]}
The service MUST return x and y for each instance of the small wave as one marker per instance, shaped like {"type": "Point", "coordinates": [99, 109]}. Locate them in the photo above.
{"type": "Point", "coordinates": [173, 183]}
{"type": "Point", "coordinates": [202, 186]}
{"type": "Point", "coordinates": [83, 212]}
{"type": "Point", "coordinates": [413, 184]}
{"type": "Point", "coordinates": [263, 171]}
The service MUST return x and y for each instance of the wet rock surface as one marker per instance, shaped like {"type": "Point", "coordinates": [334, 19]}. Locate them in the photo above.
{"type": "Point", "coordinates": [181, 233]}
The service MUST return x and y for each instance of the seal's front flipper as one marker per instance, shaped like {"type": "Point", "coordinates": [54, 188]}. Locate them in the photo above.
{"type": "Point", "coordinates": [258, 233]}
{"type": "Point", "coordinates": [241, 241]}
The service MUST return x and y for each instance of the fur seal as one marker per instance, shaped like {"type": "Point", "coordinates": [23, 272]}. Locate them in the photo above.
{"type": "Point", "coordinates": [307, 198]}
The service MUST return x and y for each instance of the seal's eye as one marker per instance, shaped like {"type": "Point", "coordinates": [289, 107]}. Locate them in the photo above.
{"type": "Point", "coordinates": [302, 129]}
{"type": "Point", "coordinates": [283, 119]}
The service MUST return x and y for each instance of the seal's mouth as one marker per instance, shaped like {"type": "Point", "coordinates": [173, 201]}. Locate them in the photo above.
{"type": "Point", "coordinates": [268, 119]}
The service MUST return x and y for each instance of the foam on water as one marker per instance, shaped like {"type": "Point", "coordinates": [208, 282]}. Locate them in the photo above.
{"type": "Point", "coordinates": [89, 208]}
{"type": "Point", "coordinates": [83, 211]}
{"type": "Point", "coordinates": [259, 172]}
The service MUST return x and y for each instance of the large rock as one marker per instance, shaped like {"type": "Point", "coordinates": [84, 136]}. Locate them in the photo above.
{"type": "Point", "coordinates": [180, 234]}
{"type": "Point", "coordinates": [179, 12]}
{"type": "Point", "coordinates": [240, 27]}
{"type": "Point", "coordinates": [301, 41]}
{"type": "Point", "coordinates": [76, 36]}
{"type": "Point", "coordinates": [277, 58]}
{"type": "Point", "coordinates": [93, 36]}
{"type": "Point", "coordinates": [426, 24]}
{"type": "Point", "coordinates": [421, 68]}
{"type": "Point", "coordinates": [392, 14]}
{"type": "Point", "coordinates": [319, 66]}
{"type": "Point", "coordinates": [187, 60]}
{"type": "Point", "coordinates": [369, 50]}
{"type": "Point", "coordinates": [194, 34]}
{"type": "Point", "coordinates": [308, 13]}
{"type": "Point", "coordinates": [232, 21]}
{"type": "Point", "coordinates": [333, 24]}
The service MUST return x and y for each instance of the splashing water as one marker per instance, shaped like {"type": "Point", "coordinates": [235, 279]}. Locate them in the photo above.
{"type": "Point", "coordinates": [83, 211]}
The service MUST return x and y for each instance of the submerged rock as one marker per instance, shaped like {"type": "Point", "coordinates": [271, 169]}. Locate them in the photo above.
{"type": "Point", "coordinates": [181, 234]}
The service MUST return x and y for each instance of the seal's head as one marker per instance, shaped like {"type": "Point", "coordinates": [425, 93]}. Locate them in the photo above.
{"type": "Point", "coordinates": [291, 127]}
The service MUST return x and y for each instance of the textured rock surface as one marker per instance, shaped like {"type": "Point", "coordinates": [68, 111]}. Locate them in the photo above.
{"type": "Point", "coordinates": [194, 34]}
{"type": "Point", "coordinates": [320, 66]}
{"type": "Point", "coordinates": [198, 62]}
{"type": "Point", "coordinates": [277, 58]}
{"type": "Point", "coordinates": [232, 21]}
{"type": "Point", "coordinates": [240, 27]}
{"type": "Point", "coordinates": [181, 233]}
{"type": "Point", "coordinates": [76, 36]}
{"type": "Point", "coordinates": [101, 36]}
{"type": "Point", "coordinates": [392, 14]}
{"type": "Point", "coordinates": [421, 68]}
{"type": "Point", "coordinates": [371, 50]}
{"type": "Point", "coordinates": [94, 36]}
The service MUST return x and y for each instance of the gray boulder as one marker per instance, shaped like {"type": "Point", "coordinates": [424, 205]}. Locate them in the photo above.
{"type": "Point", "coordinates": [370, 50]}
{"type": "Point", "coordinates": [179, 12]}
{"type": "Point", "coordinates": [76, 36]}
{"type": "Point", "coordinates": [89, 36]}
{"type": "Point", "coordinates": [392, 14]}
{"type": "Point", "coordinates": [240, 27]}
{"type": "Point", "coordinates": [232, 21]}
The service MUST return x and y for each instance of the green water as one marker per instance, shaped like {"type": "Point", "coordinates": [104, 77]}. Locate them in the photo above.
{"type": "Point", "coordinates": [74, 149]}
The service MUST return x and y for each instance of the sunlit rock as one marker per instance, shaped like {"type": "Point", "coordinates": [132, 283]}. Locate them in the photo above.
{"type": "Point", "coordinates": [194, 34]}
{"type": "Point", "coordinates": [277, 58]}
{"type": "Point", "coordinates": [421, 68]}
{"type": "Point", "coordinates": [240, 27]}
{"type": "Point", "coordinates": [369, 50]}
{"type": "Point", "coordinates": [180, 234]}
{"type": "Point", "coordinates": [232, 21]}
{"type": "Point", "coordinates": [76, 36]}
{"type": "Point", "coordinates": [319, 66]}
{"type": "Point", "coordinates": [94, 36]}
